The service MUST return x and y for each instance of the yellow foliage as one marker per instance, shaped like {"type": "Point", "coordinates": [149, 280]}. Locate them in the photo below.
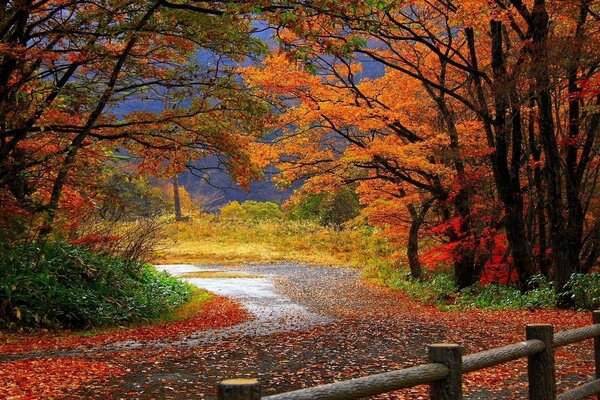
{"type": "Point", "coordinates": [187, 203]}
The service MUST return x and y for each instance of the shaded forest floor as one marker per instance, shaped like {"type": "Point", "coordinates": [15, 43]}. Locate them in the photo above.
{"type": "Point", "coordinates": [348, 328]}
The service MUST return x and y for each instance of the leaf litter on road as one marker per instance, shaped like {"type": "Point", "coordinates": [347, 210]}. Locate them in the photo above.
{"type": "Point", "coordinates": [374, 330]}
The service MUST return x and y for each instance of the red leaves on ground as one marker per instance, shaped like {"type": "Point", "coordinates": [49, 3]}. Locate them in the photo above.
{"type": "Point", "coordinates": [376, 330]}
{"type": "Point", "coordinates": [218, 312]}
{"type": "Point", "coordinates": [46, 378]}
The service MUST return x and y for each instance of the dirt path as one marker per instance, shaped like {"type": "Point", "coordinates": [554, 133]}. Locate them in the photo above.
{"type": "Point", "coordinates": [311, 325]}
{"type": "Point", "coordinates": [273, 312]}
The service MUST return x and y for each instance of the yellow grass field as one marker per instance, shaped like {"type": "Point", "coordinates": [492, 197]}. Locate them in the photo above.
{"type": "Point", "coordinates": [208, 239]}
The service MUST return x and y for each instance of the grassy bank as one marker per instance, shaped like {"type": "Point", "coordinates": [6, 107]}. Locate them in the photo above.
{"type": "Point", "coordinates": [66, 286]}
{"type": "Point", "coordinates": [439, 289]}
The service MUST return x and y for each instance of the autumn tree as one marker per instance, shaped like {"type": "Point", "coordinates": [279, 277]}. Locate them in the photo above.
{"type": "Point", "coordinates": [80, 79]}
{"type": "Point", "coordinates": [523, 77]}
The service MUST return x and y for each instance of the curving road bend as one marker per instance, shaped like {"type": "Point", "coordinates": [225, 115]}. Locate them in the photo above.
{"type": "Point", "coordinates": [273, 311]}
{"type": "Point", "coordinates": [311, 325]}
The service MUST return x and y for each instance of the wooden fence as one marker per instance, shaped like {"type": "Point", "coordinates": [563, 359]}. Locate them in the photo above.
{"type": "Point", "coordinates": [444, 372]}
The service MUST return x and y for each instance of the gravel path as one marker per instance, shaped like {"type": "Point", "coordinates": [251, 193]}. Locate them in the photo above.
{"type": "Point", "coordinates": [312, 325]}
{"type": "Point", "coordinates": [273, 311]}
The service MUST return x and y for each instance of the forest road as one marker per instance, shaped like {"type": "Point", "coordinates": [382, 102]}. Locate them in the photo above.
{"type": "Point", "coordinates": [311, 325]}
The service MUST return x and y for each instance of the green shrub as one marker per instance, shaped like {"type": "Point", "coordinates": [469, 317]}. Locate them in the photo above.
{"type": "Point", "coordinates": [339, 207]}
{"type": "Point", "coordinates": [64, 285]}
{"type": "Point", "coordinates": [308, 209]}
{"type": "Point", "coordinates": [252, 210]}
{"type": "Point", "coordinates": [331, 209]}
{"type": "Point", "coordinates": [382, 271]}
{"type": "Point", "coordinates": [262, 210]}
{"type": "Point", "coordinates": [441, 289]}
{"type": "Point", "coordinates": [497, 297]}
{"type": "Point", "coordinates": [438, 288]}
{"type": "Point", "coordinates": [584, 290]}
{"type": "Point", "coordinates": [233, 210]}
{"type": "Point", "coordinates": [543, 293]}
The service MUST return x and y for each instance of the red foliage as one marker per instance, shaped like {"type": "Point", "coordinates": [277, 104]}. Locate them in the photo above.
{"type": "Point", "coordinates": [442, 255]}
{"type": "Point", "coordinates": [498, 268]}
{"type": "Point", "coordinates": [450, 225]}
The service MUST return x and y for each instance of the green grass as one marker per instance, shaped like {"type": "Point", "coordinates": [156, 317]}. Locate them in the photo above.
{"type": "Point", "coordinates": [66, 286]}
{"type": "Point", "coordinates": [440, 289]}
{"type": "Point", "coordinates": [209, 239]}
{"type": "Point", "coordinates": [197, 300]}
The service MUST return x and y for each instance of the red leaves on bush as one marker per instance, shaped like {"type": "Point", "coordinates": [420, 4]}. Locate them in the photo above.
{"type": "Point", "coordinates": [498, 268]}
{"type": "Point", "coordinates": [94, 238]}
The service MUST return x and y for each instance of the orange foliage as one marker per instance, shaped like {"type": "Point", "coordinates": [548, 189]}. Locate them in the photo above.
{"type": "Point", "coordinates": [453, 125]}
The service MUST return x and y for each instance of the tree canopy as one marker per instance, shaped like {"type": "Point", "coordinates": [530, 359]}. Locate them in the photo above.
{"type": "Point", "coordinates": [468, 129]}
{"type": "Point", "coordinates": [152, 80]}
{"type": "Point", "coordinates": [478, 133]}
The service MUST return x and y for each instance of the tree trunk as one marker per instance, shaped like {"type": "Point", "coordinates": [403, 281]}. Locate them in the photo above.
{"type": "Point", "coordinates": [539, 28]}
{"type": "Point", "coordinates": [538, 200]}
{"type": "Point", "coordinates": [508, 137]}
{"type": "Point", "coordinates": [575, 221]}
{"type": "Point", "coordinates": [412, 248]}
{"type": "Point", "coordinates": [466, 272]}
{"type": "Point", "coordinates": [57, 187]}
{"type": "Point", "coordinates": [177, 199]}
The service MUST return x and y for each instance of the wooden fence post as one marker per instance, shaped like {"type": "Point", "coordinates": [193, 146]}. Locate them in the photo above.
{"type": "Point", "coordinates": [540, 366]}
{"type": "Point", "coordinates": [450, 355]}
{"type": "Point", "coordinates": [596, 320]}
{"type": "Point", "coordinates": [239, 389]}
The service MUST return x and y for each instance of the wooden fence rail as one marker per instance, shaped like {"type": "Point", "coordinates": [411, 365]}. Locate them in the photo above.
{"type": "Point", "coordinates": [447, 365]}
